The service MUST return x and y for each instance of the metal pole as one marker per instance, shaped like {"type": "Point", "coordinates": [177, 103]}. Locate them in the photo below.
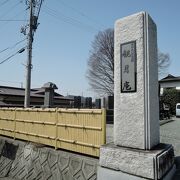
{"type": "Point", "coordinates": [29, 59]}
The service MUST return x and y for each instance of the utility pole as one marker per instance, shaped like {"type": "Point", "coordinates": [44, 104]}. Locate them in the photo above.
{"type": "Point", "coordinates": [34, 7]}
{"type": "Point", "coordinates": [29, 58]}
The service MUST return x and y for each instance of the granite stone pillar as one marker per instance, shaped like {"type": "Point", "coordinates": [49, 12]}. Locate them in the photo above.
{"type": "Point", "coordinates": [136, 152]}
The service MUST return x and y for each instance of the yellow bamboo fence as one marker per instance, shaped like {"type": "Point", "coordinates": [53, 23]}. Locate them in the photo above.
{"type": "Point", "coordinates": [78, 130]}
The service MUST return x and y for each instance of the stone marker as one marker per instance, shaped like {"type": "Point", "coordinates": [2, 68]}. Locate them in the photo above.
{"type": "Point", "coordinates": [136, 120]}
{"type": "Point", "coordinates": [49, 94]}
{"type": "Point", "coordinates": [136, 149]}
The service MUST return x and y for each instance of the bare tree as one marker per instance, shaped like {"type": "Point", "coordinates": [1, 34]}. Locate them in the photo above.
{"type": "Point", "coordinates": [163, 63]}
{"type": "Point", "coordinates": [101, 63]}
{"type": "Point", "coordinates": [100, 71]}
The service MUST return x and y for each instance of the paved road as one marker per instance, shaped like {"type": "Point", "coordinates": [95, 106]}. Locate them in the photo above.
{"type": "Point", "coordinates": [169, 133]}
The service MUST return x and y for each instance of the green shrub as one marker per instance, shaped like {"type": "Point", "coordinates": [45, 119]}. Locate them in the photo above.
{"type": "Point", "coordinates": [171, 97]}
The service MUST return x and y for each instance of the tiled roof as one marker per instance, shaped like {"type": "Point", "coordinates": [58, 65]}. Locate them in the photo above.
{"type": "Point", "coordinates": [36, 92]}
{"type": "Point", "coordinates": [170, 77]}
{"type": "Point", "coordinates": [5, 90]}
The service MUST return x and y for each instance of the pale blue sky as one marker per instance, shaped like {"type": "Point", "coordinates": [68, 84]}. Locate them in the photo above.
{"type": "Point", "coordinates": [63, 39]}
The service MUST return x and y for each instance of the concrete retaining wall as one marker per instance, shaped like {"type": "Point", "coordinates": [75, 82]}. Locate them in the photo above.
{"type": "Point", "coordinates": [29, 161]}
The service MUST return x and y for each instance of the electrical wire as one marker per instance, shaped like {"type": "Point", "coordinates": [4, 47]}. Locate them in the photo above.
{"type": "Point", "coordinates": [11, 47]}
{"type": "Point", "coordinates": [72, 19]}
{"type": "Point", "coordinates": [71, 23]}
{"type": "Point", "coordinates": [81, 13]}
{"type": "Point", "coordinates": [10, 10]}
{"type": "Point", "coordinates": [60, 16]}
{"type": "Point", "coordinates": [8, 58]}
{"type": "Point", "coordinates": [15, 16]}
{"type": "Point", "coordinates": [13, 20]}
{"type": "Point", "coordinates": [39, 9]}
{"type": "Point", "coordinates": [3, 3]}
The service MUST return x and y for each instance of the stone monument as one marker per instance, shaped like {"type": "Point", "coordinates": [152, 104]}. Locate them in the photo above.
{"type": "Point", "coordinates": [136, 152]}
{"type": "Point", "coordinates": [49, 88]}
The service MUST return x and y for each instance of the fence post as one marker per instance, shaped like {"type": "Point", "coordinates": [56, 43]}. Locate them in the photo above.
{"type": "Point", "coordinates": [15, 123]}
{"type": "Point", "coordinates": [56, 119]}
{"type": "Point", "coordinates": [104, 125]}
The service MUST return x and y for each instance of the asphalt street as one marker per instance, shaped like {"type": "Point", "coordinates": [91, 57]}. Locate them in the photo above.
{"type": "Point", "coordinates": [169, 133]}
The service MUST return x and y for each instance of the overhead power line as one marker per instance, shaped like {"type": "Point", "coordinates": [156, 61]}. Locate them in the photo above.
{"type": "Point", "coordinates": [3, 3]}
{"type": "Point", "coordinates": [8, 58]}
{"type": "Point", "coordinates": [11, 47]}
{"type": "Point", "coordinates": [15, 20]}
{"type": "Point", "coordinates": [60, 16]}
{"type": "Point", "coordinates": [13, 17]}
{"type": "Point", "coordinates": [10, 10]}
{"type": "Point", "coordinates": [81, 13]}
{"type": "Point", "coordinates": [39, 9]}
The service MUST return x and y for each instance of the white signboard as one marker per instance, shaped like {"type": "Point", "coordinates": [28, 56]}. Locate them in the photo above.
{"type": "Point", "coordinates": [128, 67]}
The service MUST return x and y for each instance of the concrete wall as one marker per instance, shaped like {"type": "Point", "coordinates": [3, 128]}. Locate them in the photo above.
{"type": "Point", "coordinates": [23, 160]}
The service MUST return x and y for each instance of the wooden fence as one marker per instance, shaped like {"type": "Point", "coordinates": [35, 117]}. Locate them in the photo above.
{"type": "Point", "coordinates": [76, 130]}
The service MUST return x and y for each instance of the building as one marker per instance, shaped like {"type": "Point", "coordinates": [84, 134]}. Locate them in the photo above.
{"type": "Point", "coordinates": [14, 97]}
{"type": "Point", "coordinates": [169, 81]}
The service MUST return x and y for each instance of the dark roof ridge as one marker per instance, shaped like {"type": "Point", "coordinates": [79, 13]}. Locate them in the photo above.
{"type": "Point", "coordinates": [18, 88]}
{"type": "Point", "coordinates": [10, 87]}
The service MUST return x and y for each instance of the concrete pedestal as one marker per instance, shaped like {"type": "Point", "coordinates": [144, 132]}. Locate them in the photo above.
{"type": "Point", "coordinates": [147, 164]}
{"type": "Point", "coordinates": [109, 174]}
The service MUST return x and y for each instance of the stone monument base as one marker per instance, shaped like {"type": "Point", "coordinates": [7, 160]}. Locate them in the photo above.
{"type": "Point", "coordinates": [157, 163]}
{"type": "Point", "coordinates": [109, 174]}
